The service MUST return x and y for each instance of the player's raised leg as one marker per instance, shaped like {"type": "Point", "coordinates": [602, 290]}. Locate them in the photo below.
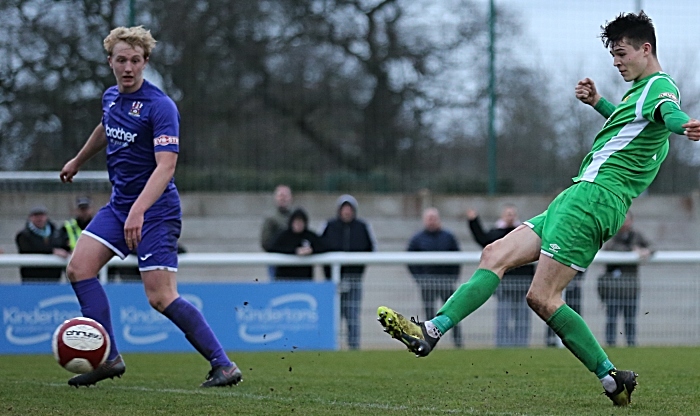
{"type": "Point", "coordinates": [544, 297]}
{"type": "Point", "coordinates": [88, 258]}
{"type": "Point", "coordinates": [161, 290]}
{"type": "Point", "coordinates": [517, 248]}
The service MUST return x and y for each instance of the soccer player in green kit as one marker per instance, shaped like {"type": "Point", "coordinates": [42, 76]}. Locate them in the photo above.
{"type": "Point", "coordinates": [625, 158]}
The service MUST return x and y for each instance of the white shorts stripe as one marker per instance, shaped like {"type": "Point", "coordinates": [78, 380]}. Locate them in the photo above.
{"type": "Point", "coordinates": [109, 246]}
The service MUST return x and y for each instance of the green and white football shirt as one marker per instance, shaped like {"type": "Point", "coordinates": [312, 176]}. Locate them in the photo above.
{"type": "Point", "coordinates": [628, 151]}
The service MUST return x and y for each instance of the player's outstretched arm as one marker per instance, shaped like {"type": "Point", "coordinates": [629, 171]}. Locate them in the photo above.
{"type": "Point", "coordinates": [679, 122]}
{"type": "Point", "coordinates": [692, 129]}
{"type": "Point", "coordinates": [95, 143]}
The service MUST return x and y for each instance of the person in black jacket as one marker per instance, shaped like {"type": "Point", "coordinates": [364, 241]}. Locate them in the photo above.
{"type": "Point", "coordinates": [618, 287]}
{"type": "Point", "coordinates": [436, 281]}
{"type": "Point", "coordinates": [512, 313]}
{"type": "Point", "coordinates": [40, 236]}
{"type": "Point", "coordinates": [348, 233]}
{"type": "Point", "coordinates": [296, 239]}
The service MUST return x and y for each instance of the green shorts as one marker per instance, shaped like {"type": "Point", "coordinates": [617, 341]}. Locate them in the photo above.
{"type": "Point", "coordinates": [577, 223]}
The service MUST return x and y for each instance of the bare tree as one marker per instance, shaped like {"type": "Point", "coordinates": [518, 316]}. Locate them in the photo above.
{"type": "Point", "coordinates": [297, 89]}
{"type": "Point", "coordinates": [358, 82]}
{"type": "Point", "coordinates": [51, 76]}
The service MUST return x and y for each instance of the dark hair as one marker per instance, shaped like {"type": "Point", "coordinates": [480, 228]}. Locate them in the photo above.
{"type": "Point", "coordinates": [637, 29]}
{"type": "Point", "coordinates": [298, 213]}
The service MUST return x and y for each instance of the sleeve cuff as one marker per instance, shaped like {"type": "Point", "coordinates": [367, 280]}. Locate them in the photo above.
{"type": "Point", "coordinates": [604, 107]}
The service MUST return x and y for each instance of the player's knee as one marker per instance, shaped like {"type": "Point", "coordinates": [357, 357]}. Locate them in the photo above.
{"type": "Point", "coordinates": [493, 256]}
{"type": "Point", "coordinates": [536, 302]}
{"type": "Point", "coordinates": [542, 304]}
{"type": "Point", "coordinates": [71, 272]}
{"type": "Point", "coordinates": [157, 302]}
{"type": "Point", "coordinates": [160, 300]}
{"type": "Point", "coordinates": [75, 272]}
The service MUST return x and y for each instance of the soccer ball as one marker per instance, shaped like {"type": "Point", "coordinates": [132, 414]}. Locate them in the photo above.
{"type": "Point", "coordinates": [80, 345]}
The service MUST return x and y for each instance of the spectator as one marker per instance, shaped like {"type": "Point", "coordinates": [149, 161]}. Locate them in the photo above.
{"type": "Point", "coordinates": [436, 281]}
{"type": "Point", "coordinates": [73, 227]}
{"type": "Point", "coordinates": [348, 233]}
{"type": "Point", "coordinates": [618, 287]}
{"type": "Point", "coordinates": [40, 236]}
{"type": "Point", "coordinates": [512, 312]}
{"type": "Point", "coordinates": [277, 222]}
{"type": "Point", "coordinates": [296, 239]}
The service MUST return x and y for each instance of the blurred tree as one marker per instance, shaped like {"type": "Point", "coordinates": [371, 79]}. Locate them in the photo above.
{"type": "Point", "coordinates": [52, 73]}
{"type": "Point", "coordinates": [527, 132]}
{"type": "Point", "coordinates": [315, 84]}
{"type": "Point", "coordinates": [340, 94]}
{"type": "Point", "coordinates": [370, 88]}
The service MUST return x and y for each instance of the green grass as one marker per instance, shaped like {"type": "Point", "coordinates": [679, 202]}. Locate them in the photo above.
{"type": "Point", "coordinates": [479, 382]}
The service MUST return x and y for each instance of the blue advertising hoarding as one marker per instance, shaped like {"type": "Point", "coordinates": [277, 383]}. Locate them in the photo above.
{"type": "Point", "coordinates": [245, 317]}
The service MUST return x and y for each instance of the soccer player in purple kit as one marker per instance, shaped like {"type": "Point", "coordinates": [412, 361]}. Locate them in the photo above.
{"type": "Point", "coordinates": [140, 131]}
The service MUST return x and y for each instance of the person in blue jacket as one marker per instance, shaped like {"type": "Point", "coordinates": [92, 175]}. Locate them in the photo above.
{"type": "Point", "coordinates": [436, 281]}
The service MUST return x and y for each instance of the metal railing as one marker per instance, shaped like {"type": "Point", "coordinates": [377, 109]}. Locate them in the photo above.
{"type": "Point", "coordinates": [338, 259]}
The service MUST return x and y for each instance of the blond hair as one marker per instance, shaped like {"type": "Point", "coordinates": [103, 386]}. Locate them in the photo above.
{"type": "Point", "coordinates": [134, 36]}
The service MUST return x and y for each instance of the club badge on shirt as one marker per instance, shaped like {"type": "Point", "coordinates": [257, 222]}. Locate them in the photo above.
{"type": "Point", "coordinates": [136, 109]}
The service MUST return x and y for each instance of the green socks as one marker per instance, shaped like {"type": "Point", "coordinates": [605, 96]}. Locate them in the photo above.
{"type": "Point", "coordinates": [577, 337]}
{"type": "Point", "coordinates": [565, 322]}
{"type": "Point", "coordinates": [443, 323]}
{"type": "Point", "coordinates": [466, 299]}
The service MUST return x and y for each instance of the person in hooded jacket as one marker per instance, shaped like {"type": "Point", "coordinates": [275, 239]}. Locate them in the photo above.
{"type": "Point", "coordinates": [348, 233]}
{"type": "Point", "coordinates": [296, 239]}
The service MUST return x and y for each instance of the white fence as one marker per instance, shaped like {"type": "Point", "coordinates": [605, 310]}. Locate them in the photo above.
{"type": "Point", "coordinates": [668, 311]}
{"type": "Point", "coordinates": [335, 260]}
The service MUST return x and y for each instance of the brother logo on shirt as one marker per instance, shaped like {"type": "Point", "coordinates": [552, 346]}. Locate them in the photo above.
{"type": "Point", "coordinates": [120, 134]}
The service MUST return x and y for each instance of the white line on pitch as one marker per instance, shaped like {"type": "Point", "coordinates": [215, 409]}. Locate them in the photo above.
{"type": "Point", "coordinates": [360, 405]}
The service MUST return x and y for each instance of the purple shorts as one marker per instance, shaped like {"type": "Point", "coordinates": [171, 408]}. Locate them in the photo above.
{"type": "Point", "coordinates": [158, 247]}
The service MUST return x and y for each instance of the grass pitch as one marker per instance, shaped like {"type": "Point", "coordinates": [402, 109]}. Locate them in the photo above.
{"type": "Point", "coordinates": [478, 382]}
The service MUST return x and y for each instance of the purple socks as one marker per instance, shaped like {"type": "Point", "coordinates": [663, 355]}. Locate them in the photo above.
{"type": "Point", "coordinates": [94, 305]}
{"type": "Point", "coordinates": [197, 331]}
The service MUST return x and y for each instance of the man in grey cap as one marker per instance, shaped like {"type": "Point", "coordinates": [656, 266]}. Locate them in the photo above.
{"type": "Point", "coordinates": [40, 236]}
{"type": "Point", "coordinates": [348, 233]}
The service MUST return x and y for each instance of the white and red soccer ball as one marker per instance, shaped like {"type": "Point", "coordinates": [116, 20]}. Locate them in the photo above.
{"type": "Point", "coordinates": [80, 345]}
